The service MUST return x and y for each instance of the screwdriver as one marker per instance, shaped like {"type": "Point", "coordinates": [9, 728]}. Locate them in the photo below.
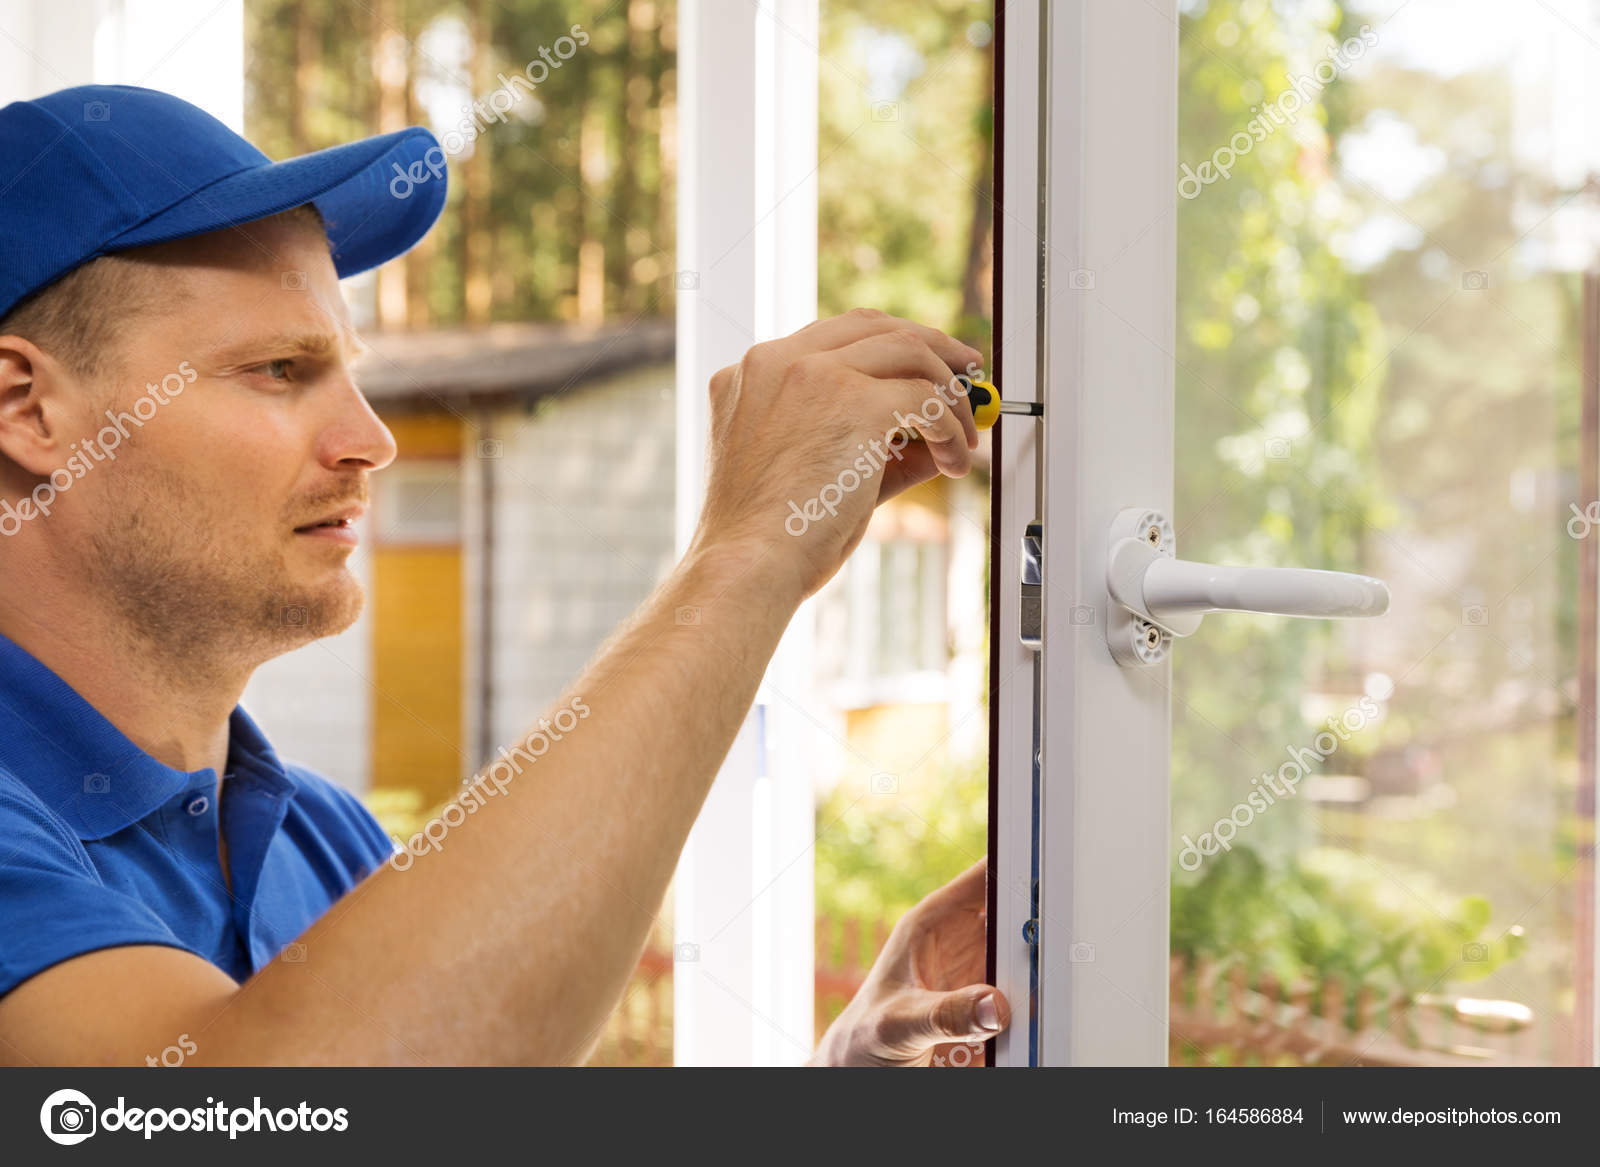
{"type": "Point", "coordinates": [987, 406]}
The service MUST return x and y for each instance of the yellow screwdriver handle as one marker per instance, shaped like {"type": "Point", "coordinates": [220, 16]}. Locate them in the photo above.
{"type": "Point", "coordinates": [985, 401]}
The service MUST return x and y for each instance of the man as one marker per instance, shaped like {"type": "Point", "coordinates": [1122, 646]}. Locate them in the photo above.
{"type": "Point", "coordinates": [183, 459]}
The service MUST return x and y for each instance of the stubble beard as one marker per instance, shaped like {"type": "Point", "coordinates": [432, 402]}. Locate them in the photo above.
{"type": "Point", "coordinates": [208, 605]}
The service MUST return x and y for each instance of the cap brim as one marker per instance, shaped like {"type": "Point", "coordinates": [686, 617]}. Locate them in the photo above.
{"type": "Point", "coordinates": [354, 187]}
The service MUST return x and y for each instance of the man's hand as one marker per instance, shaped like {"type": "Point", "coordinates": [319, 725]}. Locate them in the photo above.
{"type": "Point", "coordinates": [564, 883]}
{"type": "Point", "coordinates": [807, 436]}
{"type": "Point", "coordinates": [926, 989]}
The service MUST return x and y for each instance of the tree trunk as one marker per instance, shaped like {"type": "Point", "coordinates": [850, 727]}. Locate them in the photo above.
{"type": "Point", "coordinates": [977, 277]}
{"type": "Point", "coordinates": [388, 49]}
{"type": "Point", "coordinates": [476, 230]}
{"type": "Point", "coordinates": [307, 53]}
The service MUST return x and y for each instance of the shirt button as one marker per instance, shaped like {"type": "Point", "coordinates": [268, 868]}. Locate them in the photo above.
{"type": "Point", "coordinates": [198, 806]}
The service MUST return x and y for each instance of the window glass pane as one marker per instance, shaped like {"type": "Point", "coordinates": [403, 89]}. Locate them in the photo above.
{"type": "Point", "coordinates": [1384, 228]}
{"type": "Point", "coordinates": [904, 222]}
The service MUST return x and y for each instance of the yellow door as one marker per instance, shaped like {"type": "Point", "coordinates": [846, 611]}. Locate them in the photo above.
{"type": "Point", "coordinates": [417, 619]}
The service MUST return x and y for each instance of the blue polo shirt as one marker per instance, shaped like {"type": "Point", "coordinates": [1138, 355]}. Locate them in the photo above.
{"type": "Point", "coordinates": [101, 845]}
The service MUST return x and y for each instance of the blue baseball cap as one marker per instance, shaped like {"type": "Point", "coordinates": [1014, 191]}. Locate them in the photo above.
{"type": "Point", "coordinates": [101, 168]}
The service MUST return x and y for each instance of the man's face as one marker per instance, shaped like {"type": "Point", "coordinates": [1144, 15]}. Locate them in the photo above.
{"type": "Point", "coordinates": [225, 521]}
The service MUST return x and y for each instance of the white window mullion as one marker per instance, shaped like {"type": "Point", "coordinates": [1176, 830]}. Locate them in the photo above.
{"type": "Point", "coordinates": [743, 988]}
{"type": "Point", "coordinates": [1107, 331]}
{"type": "Point", "coordinates": [1088, 303]}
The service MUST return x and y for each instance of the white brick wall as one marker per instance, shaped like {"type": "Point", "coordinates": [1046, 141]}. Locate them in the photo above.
{"type": "Point", "coordinates": [313, 704]}
{"type": "Point", "coordinates": [583, 532]}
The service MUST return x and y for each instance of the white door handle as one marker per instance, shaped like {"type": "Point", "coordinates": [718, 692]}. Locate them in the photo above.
{"type": "Point", "coordinates": [1162, 596]}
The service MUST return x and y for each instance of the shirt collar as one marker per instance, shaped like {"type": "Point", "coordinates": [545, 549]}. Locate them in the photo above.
{"type": "Point", "coordinates": [85, 769]}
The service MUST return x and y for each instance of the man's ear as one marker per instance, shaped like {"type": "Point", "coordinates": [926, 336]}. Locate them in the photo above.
{"type": "Point", "coordinates": [34, 397]}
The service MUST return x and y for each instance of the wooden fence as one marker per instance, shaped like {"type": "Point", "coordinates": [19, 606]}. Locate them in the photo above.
{"type": "Point", "coordinates": [1220, 1016]}
{"type": "Point", "coordinates": [1227, 1016]}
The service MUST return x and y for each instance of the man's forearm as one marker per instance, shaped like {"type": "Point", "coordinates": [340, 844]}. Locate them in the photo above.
{"type": "Point", "coordinates": [514, 941]}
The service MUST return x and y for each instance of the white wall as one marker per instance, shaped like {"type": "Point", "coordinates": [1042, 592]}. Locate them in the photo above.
{"type": "Point", "coordinates": [583, 531]}
{"type": "Point", "coordinates": [191, 48]}
{"type": "Point", "coordinates": [314, 704]}
{"type": "Point", "coordinates": [46, 46]}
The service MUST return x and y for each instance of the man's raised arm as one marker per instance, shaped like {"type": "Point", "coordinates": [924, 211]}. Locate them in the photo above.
{"type": "Point", "coordinates": [514, 942]}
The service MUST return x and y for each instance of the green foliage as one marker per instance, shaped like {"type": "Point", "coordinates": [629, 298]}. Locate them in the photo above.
{"type": "Point", "coordinates": [878, 854]}
{"type": "Point", "coordinates": [1331, 913]}
{"type": "Point", "coordinates": [1411, 389]}
{"type": "Point", "coordinates": [906, 122]}
{"type": "Point", "coordinates": [1279, 352]}
{"type": "Point", "coordinates": [578, 163]}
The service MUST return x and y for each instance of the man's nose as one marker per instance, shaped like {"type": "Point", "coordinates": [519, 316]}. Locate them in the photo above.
{"type": "Point", "coordinates": [354, 435]}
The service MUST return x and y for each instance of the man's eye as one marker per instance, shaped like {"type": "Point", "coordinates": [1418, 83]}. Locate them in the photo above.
{"type": "Point", "coordinates": [277, 370]}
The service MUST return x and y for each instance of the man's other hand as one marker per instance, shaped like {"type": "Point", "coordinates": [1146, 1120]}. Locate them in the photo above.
{"type": "Point", "coordinates": [924, 1002]}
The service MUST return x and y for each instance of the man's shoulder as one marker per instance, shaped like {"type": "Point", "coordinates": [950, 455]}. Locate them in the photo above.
{"type": "Point", "coordinates": [26, 816]}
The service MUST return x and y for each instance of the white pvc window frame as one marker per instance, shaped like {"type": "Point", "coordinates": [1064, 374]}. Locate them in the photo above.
{"type": "Point", "coordinates": [1089, 300]}
{"type": "Point", "coordinates": [743, 983]}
